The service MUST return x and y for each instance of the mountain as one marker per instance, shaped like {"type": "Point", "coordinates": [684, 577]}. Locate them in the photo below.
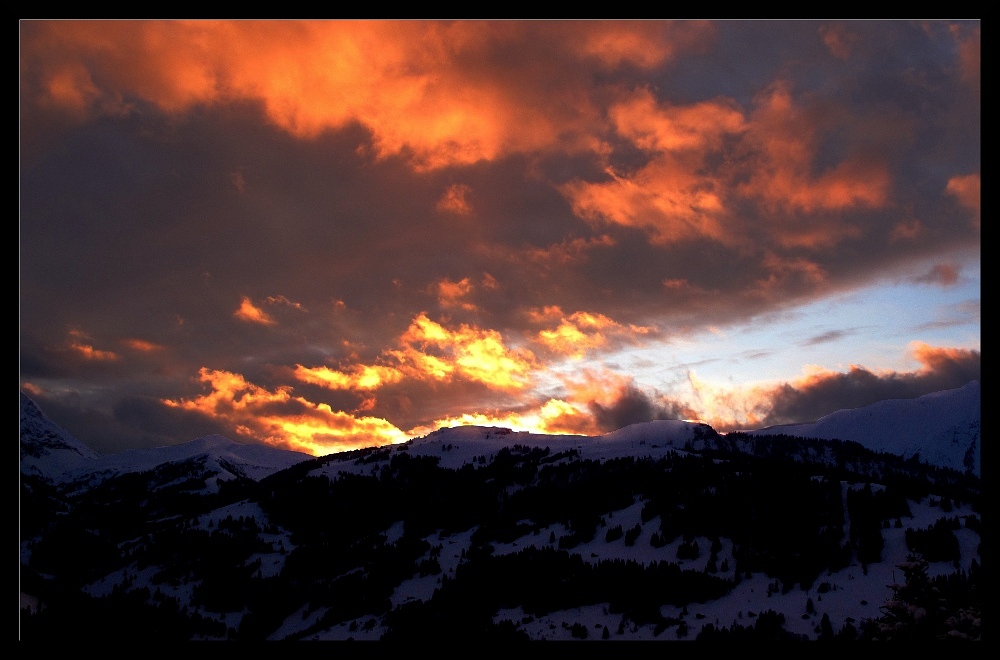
{"type": "Point", "coordinates": [49, 451]}
{"type": "Point", "coordinates": [463, 444]}
{"type": "Point", "coordinates": [216, 457]}
{"type": "Point", "coordinates": [942, 428]}
{"type": "Point", "coordinates": [665, 530]}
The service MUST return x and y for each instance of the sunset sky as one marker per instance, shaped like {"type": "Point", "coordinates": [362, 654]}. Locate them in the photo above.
{"type": "Point", "coordinates": [323, 235]}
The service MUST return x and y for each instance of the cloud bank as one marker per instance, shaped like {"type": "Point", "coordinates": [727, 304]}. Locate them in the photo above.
{"type": "Point", "coordinates": [326, 234]}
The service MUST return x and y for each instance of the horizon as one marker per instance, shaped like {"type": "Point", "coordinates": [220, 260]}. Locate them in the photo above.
{"type": "Point", "coordinates": [641, 427]}
{"type": "Point", "coordinates": [323, 235]}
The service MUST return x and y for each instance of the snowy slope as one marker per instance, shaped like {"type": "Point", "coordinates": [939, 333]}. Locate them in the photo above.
{"type": "Point", "coordinates": [942, 427]}
{"type": "Point", "coordinates": [463, 445]}
{"type": "Point", "coordinates": [213, 452]}
{"type": "Point", "coordinates": [854, 593]}
{"type": "Point", "coordinates": [638, 440]}
{"type": "Point", "coordinates": [47, 450]}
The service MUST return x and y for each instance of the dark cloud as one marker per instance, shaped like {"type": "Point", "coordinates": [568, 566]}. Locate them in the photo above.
{"type": "Point", "coordinates": [632, 406]}
{"type": "Point", "coordinates": [133, 423]}
{"type": "Point", "coordinates": [827, 393]}
{"type": "Point", "coordinates": [825, 337]}
{"type": "Point", "coordinates": [652, 173]}
{"type": "Point", "coordinates": [968, 312]}
{"type": "Point", "coordinates": [161, 425]}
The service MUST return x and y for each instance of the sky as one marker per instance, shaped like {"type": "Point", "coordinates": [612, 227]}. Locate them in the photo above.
{"type": "Point", "coordinates": [322, 235]}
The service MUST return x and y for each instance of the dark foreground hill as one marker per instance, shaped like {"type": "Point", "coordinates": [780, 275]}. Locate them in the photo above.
{"type": "Point", "coordinates": [660, 531]}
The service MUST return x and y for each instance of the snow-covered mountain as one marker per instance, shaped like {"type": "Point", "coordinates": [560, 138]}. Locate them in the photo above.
{"type": "Point", "coordinates": [942, 428]}
{"type": "Point", "coordinates": [473, 445]}
{"type": "Point", "coordinates": [663, 530]}
{"type": "Point", "coordinates": [49, 451]}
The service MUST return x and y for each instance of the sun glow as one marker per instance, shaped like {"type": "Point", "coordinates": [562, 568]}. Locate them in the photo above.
{"type": "Point", "coordinates": [282, 420]}
{"type": "Point", "coordinates": [554, 417]}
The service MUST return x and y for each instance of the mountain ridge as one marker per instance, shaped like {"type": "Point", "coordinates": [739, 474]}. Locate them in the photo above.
{"type": "Point", "coordinates": [660, 530]}
{"type": "Point", "coordinates": [51, 452]}
{"type": "Point", "coordinates": [941, 428]}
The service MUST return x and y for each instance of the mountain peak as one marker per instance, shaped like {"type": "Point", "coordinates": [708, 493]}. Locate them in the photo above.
{"type": "Point", "coordinates": [47, 449]}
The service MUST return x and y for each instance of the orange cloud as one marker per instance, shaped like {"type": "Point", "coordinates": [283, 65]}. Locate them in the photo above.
{"type": "Point", "coordinates": [475, 354]}
{"type": "Point", "coordinates": [250, 313]}
{"type": "Point", "coordinates": [660, 127]}
{"type": "Point", "coordinates": [679, 195]}
{"type": "Point", "coordinates": [142, 345]}
{"type": "Point", "coordinates": [641, 43]}
{"type": "Point", "coordinates": [72, 89]}
{"type": "Point", "coordinates": [727, 408]}
{"type": "Point", "coordinates": [839, 40]}
{"type": "Point", "coordinates": [32, 389]}
{"type": "Point", "coordinates": [86, 351]}
{"type": "Point", "coordinates": [784, 139]}
{"type": "Point", "coordinates": [225, 388]}
{"type": "Point", "coordinates": [672, 196]}
{"type": "Point", "coordinates": [966, 189]}
{"type": "Point", "coordinates": [359, 377]}
{"type": "Point", "coordinates": [428, 351]}
{"type": "Point", "coordinates": [584, 331]}
{"type": "Point", "coordinates": [564, 253]}
{"type": "Point", "coordinates": [456, 199]}
{"type": "Point", "coordinates": [395, 77]}
{"type": "Point", "coordinates": [569, 339]}
{"type": "Point", "coordinates": [490, 282]}
{"type": "Point", "coordinates": [420, 87]}
{"type": "Point", "coordinates": [91, 353]}
{"type": "Point", "coordinates": [450, 294]}
{"type": "Point", "coordinates": [666, 197]}
{"type": "Point", "coordinates": [969, 52]}
{"type": "Point", "coordinates": [601, 386]}
{"type": "Point", "coordinates": [562, 417]}
{"type": "Point", "coordinates": [935, 358]}
{"type": "Point", "coordinates": [545, 314]}
{"type": "Point", "coordinates": [279, 419]}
